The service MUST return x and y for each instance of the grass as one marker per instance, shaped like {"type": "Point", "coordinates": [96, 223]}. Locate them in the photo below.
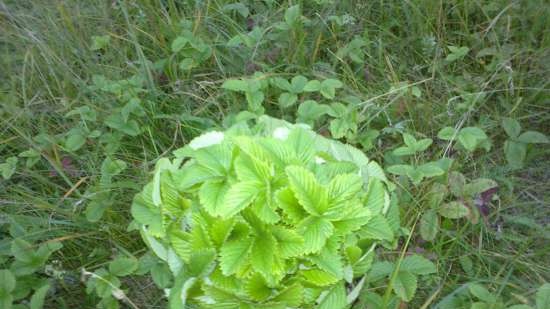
{"type": "Point", "coordinates": [48, 70]}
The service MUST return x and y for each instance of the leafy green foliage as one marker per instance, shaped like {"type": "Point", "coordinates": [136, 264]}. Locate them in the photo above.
{"type": "Point", "coordinates": [455, 199]}
{"type": "Point", "coordinates": [515, 147]}
{"type": "Point", "coordinates": [469, 138]}
{"type": "Point", "coordinates": [262, 208]}
{"type": "Point", "coordinates": [477, 296]}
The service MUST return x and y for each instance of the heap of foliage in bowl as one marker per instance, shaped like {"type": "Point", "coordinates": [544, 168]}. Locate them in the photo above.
{"type": "Point", "coordinates": [269, 216]}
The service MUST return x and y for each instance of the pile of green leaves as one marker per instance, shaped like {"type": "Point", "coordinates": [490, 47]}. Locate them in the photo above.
{"type": "Point", "coordinates": [269, 216]}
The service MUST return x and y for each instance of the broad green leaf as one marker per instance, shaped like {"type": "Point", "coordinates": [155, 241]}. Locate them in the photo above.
{"type": "Point", "coordinates": [400, 169]}
{"type": "Point", "coordinates": [298, 83]}
{"type": "Point", "coordinates": [75, 141]}
{"type": "Point", "coordinates": [447, 133]}
{"type": "Point", "coordinates": [515, 153]}
{"type": "Point", "coordinates": [417, 265]}
{"type": "Point", "coordinates": [263, 254]}
{"type": "Point", "coordinates": [292, 14]}
{"type": "Point", "coordinates": [453, 210]}
{"type": "Point", "coordinates": [100, 42]}
{"type": "Point", "coordinates": [405, 285]}
{"type": "Point", "coordinates": [202, 262]}
{"type": "Point", "coordinates": [212, 196]}
{"type": "Point", "coordinates": [292, 296]}
{"type": "Point", "coordinates": [311, 195]}
{"type": "Point", "coordinates": [457, 181]}
{"type": "Point", "coordinates": [380, 270]}
{"type": "Point", "coordinates": [23, 251]}
{"type": "Point", "coordinates": [403, 151]}
{"type": "Point", "coordinates": [330, 261]}
{"type": "Point", "coordinates": [254, 166]}
{"type": "Point", "coordinates": [235, 85]}
{"type": "Point", "coordinates": [423, 144]}
{"type": "Point", "coordinates": [289, 204]}
{"type": "Point", "coordinates": [481, 293]}
{"type": "Point", "coordinates": [334, 298]}
{"type": "Point", "coordinates": [543, 296]}
{"type": "Point", "coordinates": [309, 111]}
{"type": "Point", "coordinates": [304, 144]}
{"type": "Point", "coordinates": [212, 154]}
{"type": "Point", "coordinates": [254, 100]}
{"type": "Point", "coordinates": [339, 127]}
{"type": "Point", "coordinates": [316, 230]}
{"type": "Point", "coordinates": [333, 83]}
{"type": "Point", "coordinates": [179, 43]}
{"type": "Point", "coordinates": [187, 64]}
{"type": "Point", "coordinates": [123, 266]}
{"type": "Point", "coordinates": [161, 275]}
{"type": "Point", "coordinates": [291, 244]}
{"type": "Point", "coordinates": [238, 197]}
{"type": "Point", "coordinates": [220, 230]}
{"type": "Point", "coordinates": [7, 281]}
{"type": "Point", "coordinates": [8, 168]}
{"type": "Point", "coordinates": [319, 277]}
{"type": "Point", "coordinates": [178, 298]}
{"type": "Point", "coordinates": [429, 225]}
{"type": "Point", "coordinates": [376, 196]}
{"type": "Point", "coordinates": [234, 255]}
{"type": "Point", "coordinates": [287, 99]}
{"type": "Point", "coordinates": [116, 121]}
{"type": "Point", "coordinates": [312, 85]}
{"type": "Point", "coordinates": [351, 217]}
{"type": "Point", "coordinates": [147, 214]}
{"type": "Point", "coordinates": [37, 299]}
{"type": "Point", "coordinates": [479, 185]}
{"type": "Point", "coordinates": [257, 288]}
{"type": "Point", "coordinates": [377, 228]}
{"type": "Point", "coordinates": [533, 137]}
{"type": "Point", "coordinates": [180, 243]}
{"type": "Point", "coordinates": [281, 83]}
{"type": "Point", "coordinates": [511, 127]}
{"type": "Point", "coordinates": [265, 209]}
{"type": "Point", "coordinates": [409, 140]}
{"type": "Point", "coordinates": [343, 187]}
{"type": "Point", "coordinates": [430, 169]}
{"type": "Point", "coordinates": [470, 137]}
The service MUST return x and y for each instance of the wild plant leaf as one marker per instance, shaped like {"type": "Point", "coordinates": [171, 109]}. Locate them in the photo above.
{"type": "Point", "coordinates": [511, 127]}
{"type": "Point", "coordinates": [311, 195]}
{"type": "Point", "coordinates": [543, 296]}
{"type": "Point", "coordinates": [234, 255]}
{"type": "Point", "coordinates": [481, 293]}
{"type": "Point", "coordinates": [334, 298]}
{"type": "Point", "coordinates": [533, 137]}
{"type": "Point", "coordinates": [264, 253]}
{"type": "Point", "coordinates": [37, 299]}
{"type": "Point", "coordinates": [405, 285]}
{"type": "Point", "coordinates": [377, 228]}
{"type": "Point", "coordinates": [515, 153]}
{"type": "Point", "coordinates": [453, 210]}
{"type": "Point", "coordinates": [123, 266]}
{"type": "Point", "coordinates": [257, 288]}
{"type": "Point", "coordinates": [212, 196]}
{"type": "Point", "coordinates": [429, 225]}
{"type": "Point", "coordinates": [238, 197]}
{"type": "Point", "coordinates": [316, 230]}
{"type": "Point", "coordinates": [417, 265]}
{"type": "Point", "coordinates": [343, 187]}
{"type": "Point", "coordinates": [319, 277]}
{"type": "Point", "coordinates": [292, 295]}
